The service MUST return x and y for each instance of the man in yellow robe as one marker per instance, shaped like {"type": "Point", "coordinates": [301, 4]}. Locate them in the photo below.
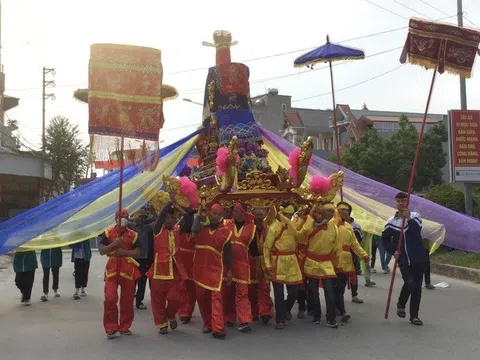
{"type": "Point", "coordinates": [320, 235]}
{"type": "Point", "coordinates": [346, 268]}
{"type": "Point", "coordinates": [281, 264]}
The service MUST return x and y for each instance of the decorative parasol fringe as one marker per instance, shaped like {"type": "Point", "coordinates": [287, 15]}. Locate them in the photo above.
{"type": "Point", "coordinates": [430, 64]}
{"type": "Point", "coordinates": [327, 60]}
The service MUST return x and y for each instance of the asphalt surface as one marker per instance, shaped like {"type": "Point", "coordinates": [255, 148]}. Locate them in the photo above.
{"type": "Point", "coordinates": [67, 329]}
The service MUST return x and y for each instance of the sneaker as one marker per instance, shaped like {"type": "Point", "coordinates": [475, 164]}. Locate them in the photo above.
{"type": "Point", "coordinates": [173, 324]}
{"type": "Point", "coordinates": [357, 300]}
{"type": "Point", "coordinates": [244, 328]}
{"type": "Point", "coordinates": [429, 287]}
{"type": "Point", "coordinates": [301, 314]}
{"type": "Point", "coordinates": [385, 271]}
{"type": "Point", "coordinates": [219, 335]}
{"type": "Point", "coordinates": [230, 323]}
{"type": "Point", "coordinates": [126, 332]}
{"type": "Point", "coordinates": [44, 298]}
{"type": "Point", "coordinates": [57, 295]}
{"type": "Point", "coordinates": [374, 271]}
{"type": "Point", "coordinates": [140, 306]}
{"type": "Point", "coordinates": [265, 320]}
{"type": "Point", "coordinates": [280, 326]}
{"type": "Point", "coordinates": [346, 318]}
{"type": "Point", "coordinates": [163, 330]}
{"type": "Point", "coordinates": [288, 316]}
{"type": "Point", "coordinates": [185, 320]}
{"type": "Point", "coordinates": [27, 303]}
{"type": "Point", "coordinates": [317, 321]}
{"type": "Point", "coordinates": [370, 283]}
{"type": "Point", "coordinates": [207, 330]}
{"type": "Point", "coordinates": [76, 296]}
{"type": "Point", "coordinates": [332, 324]}
{"type": "Point", "coordinates": [83, 293]}
{"type": "Point", "coordinates": [112, 334]}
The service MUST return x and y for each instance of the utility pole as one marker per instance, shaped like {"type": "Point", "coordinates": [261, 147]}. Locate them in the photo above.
{"type": "Point", "coordinates": [45, 96]}
{"type": "Point", "coordinates": [463, 104]}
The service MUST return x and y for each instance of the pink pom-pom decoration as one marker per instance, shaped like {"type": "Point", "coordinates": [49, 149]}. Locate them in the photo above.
{"type": "Point", "coordinates": [222, 160]}
{"type": "Point", "coordinates": [189, 189]}
{"type": "Point", "coordinates": [320, 184]}
{"type": "Point", "coordinates": [293, 161]}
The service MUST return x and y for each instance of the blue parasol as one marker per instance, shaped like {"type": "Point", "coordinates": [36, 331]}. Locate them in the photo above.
{"type": "Point", "coordinates": [328, 53]}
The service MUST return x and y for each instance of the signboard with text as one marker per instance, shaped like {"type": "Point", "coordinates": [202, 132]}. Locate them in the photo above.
{"type": "Point", "coordinates": [465, 145]}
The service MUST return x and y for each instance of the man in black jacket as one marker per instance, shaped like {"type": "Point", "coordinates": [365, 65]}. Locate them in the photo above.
{"type": "Point", "coordinates": [411, 256]}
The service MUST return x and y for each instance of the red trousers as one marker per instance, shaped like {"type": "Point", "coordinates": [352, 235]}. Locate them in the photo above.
{"type": "Point", "coordinates": [210, 304]}
{"type": "Point", "coordinates": [188, 299]}
{"type": "Point", "coordinates": [253, 297]}
{"type": "Point", "coordinates": [236, 303]}
{"type": "Point", "coordinates": [110, 309]}
{"type": "Point", "coordinates": [166, 299]}
{"type": "Point", "coordinates": [265, 303]}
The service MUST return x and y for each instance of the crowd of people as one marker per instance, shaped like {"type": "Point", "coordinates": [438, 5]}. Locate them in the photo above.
{"type": "Point", "coordinates": [228, 260]}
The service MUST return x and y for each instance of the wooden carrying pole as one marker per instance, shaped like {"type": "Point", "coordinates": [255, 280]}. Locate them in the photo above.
{"type": "Point", "coordinates": [410, 189]}
{"type": "Point", "coordinates": [337, 138]}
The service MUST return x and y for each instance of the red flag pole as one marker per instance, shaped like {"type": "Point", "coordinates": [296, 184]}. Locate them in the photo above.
{"type": "Point", "coordinates": [337, 138]}
{"type": "Point", "coordinates": [120, 190]}
{"type": "Point", "coordinates": [410, 188]}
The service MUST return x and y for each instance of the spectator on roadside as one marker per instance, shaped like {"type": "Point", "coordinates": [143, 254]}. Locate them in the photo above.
{"type": "Point", "coordinates": [24, 265]}
{"type": "Point", "coordinates": [51, 260]}
{"type": "Point", "coordinates": [81, 256]}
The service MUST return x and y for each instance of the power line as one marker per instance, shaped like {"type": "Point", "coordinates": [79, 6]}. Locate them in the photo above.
{"type": "Point", "coordinates": [471, 22]}
{"type": "Point", "coordinates": [390, 11]}
{"type": "Point", "coordinates": [411, 9]}
{"type": "Point", "coordinates": [351, 86]}
{"type": "Point", "coordinates": [433, 7]}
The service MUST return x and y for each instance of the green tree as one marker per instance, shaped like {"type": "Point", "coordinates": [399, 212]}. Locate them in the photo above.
{"type": "Point", "coordinates": [447, 195]}
{"type": "Point", "coordinates": [66, 152]}
{"type": "Point", "coordinates": [390, 160]}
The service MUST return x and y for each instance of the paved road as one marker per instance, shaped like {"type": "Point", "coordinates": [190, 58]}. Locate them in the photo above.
{"type": "Point", "coordinates": [67, 329]}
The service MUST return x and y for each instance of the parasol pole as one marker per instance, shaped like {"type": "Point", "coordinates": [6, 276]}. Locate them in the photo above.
{"type": "Point", "coordinates": [337, 138]}
{"type": "Point", "coordinates": [410, 188]}
{"type": "Point", "coordinates": [120, 190]}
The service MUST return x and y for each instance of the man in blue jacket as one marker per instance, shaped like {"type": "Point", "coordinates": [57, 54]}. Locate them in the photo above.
{"type": "Point", "coordinates": [411, 256]}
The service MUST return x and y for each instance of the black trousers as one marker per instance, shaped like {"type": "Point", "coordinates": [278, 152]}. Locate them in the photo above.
{"type": "Point", "coordinates": [24, 282]}
{"type": "Point", "coordinates": [356, 263]}
{"type": "Point", "coordinates": [427, 269]}
{"type": "Point", "coordinates": [46, 278]}
{"type": "Point", "coordinates": [340, 285]}
{"type": "Point", "coordinates": [303, 301]}
{"type": "Point", "coordinates": [412, 287]}
{"type": "Point", "coordinates": [329, 293]}
{"type": "Point", "coordinates": [81, 273]}
{"type": "Point", "coordinates": [374, 255]}
{"type": "Point", "coordinates": [142, 282]}
{"type": "Point", "coordinates": [282, 305]}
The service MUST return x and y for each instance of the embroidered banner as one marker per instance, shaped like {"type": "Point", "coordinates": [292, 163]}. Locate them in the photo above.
{"type": "Point", "coordinates": [449, 47]}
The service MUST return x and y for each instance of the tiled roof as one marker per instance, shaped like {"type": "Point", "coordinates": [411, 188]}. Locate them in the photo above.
{"type": "Point", "coordinates": [411, 119]}
{"type": "Point", "coordinates": [294, 119]}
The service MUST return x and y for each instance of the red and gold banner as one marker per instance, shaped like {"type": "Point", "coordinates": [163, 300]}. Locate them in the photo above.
{"type": "Point", "coordinates": [451, 48]}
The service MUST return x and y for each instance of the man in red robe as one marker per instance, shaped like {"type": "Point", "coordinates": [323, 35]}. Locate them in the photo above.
{"type": "Point", "coordinates": [119, 243]}
{"type": "Point", "coordinates": [213, 252]}
{"type": "Point", "coordinates": [237, 302]}
{"type": "Point", "coordinates": [166, 273]}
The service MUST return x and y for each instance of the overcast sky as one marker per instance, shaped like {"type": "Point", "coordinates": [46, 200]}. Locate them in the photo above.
{"type": "Point", "coordinates": [58, 34]}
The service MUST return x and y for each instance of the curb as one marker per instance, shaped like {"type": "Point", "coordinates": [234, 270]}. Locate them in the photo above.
{"type": "Point", "coordinates": [456, 272]}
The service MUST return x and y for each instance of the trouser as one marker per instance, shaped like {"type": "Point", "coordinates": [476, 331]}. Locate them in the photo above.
{"type": "Point", "coordinates": [356, 263]}
{"type": "Point", "coordinates": [412, 287]}
{"type": "Point", "coordinates": [265, 303]}
{"type": "Point", "coordinates": [210, 304]}
{"type": "Point", "coordinates": [110, 310]}
{"type": "Point", "coordinates": [374, 255]}
{"type": "Point", "coordinates": [142, 281]}
{"type": "Point", "coordinates": [385, 257]}
{"type": "Point", "coordinates": [329, 293]}
{"type": "Point", "coordinates": [46, 279]}
{"type": "Point", "coordinates": [81, 273]}
{"type": "Point", "coordinates": [24, 282]}
{"type": "Point", "coordinates": [253, 294]}
{"type": "Point", "coordinates": [188, 299]}
{"type": "Point", "coordinates": [282, 305]}
{"type": "Point", "coordinates": [236, 303]}
{"type": "Point", "coordinates": [340, 284]}
{"type": "Point", "coordinates": [166, 298]}
{"type": "Point", "coordinates": [427, 269]}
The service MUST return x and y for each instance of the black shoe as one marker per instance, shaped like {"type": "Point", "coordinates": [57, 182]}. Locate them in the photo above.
{"type": "Point", "coordinates": [346, 318]}
{"type": "Point", "coordinates": [206, 330]}
{"type": "Point", "coordinates": [256, 318]}
{"type": "Point", "coordinates": [112, 335]}
{"type": "Point", "coordinates": [332, 324]}
{"type": "Point", "coordinates": [219, 335]}
{"type": "Point", "coordinates": [185, 320]}
{"type": "Point", "coordinates": [288, 316]}
{"type": "Point", "coordinates": [140, 306]}
{"type": "Point", "coordinates": [230, 324]}
{"type": "Point", "coordinates": [173, 324]}
{"type": "Point", "coordinates": [163, 330]}
{"type": "Point", "coordinates": [126, 332]}
{"type": "Point", "coordinates": [265, 320]}
{"type": "Point", "coordinates": [429, 287]}
{"type": "Point", "coordinates": [244, 328]}
{"type": "Point", "coordinates": [317, 320]}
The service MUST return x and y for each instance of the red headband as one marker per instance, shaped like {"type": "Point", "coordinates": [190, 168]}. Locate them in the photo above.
{"type": "Point", "coordinates": [217, 208]}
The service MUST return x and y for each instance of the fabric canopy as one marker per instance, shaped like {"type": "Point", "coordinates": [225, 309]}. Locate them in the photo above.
{"type": "Point", "coordinates": [85, 212]}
